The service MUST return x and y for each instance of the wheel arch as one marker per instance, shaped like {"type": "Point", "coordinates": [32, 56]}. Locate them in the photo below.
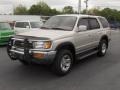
{"type": "Point", "coordinates": [105, 37]}
{"type": "Point", "coordinates": [67, 45]}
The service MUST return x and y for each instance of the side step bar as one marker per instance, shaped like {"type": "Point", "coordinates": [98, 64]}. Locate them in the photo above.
{"type": "Point", "coordinates": [86, 54]}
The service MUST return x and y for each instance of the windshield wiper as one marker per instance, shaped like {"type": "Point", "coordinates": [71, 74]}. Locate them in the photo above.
{"type": "Point", "coordinates": [45, 28]}
{"type": "Point", "coordinates": [58, 28]}
{"type": "Point", "coordinates": [55, 28]}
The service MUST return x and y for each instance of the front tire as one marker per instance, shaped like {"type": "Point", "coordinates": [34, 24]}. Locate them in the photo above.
{"type": "Point", "coordinates": [63, 62]}
{"type": "Point", "coordinates": [10, 54]}
{"type": "Point", "coordinates": [102, 48]}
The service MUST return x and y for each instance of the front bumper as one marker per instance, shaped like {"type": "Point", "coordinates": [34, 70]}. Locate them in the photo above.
{"type": "Point", "coordinates": [47, 58]}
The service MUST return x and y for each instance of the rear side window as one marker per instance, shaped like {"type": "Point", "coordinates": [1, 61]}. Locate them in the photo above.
{"type": "Point", "coordinates": [104, 22]}
{"type": "Point", "coordinates": [21, 24]}
{"type": "Point", "coordinates": [93, 23]}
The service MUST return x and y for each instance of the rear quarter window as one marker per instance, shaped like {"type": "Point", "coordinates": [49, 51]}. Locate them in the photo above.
{"type": "Point", "coordinates": [104, 22]}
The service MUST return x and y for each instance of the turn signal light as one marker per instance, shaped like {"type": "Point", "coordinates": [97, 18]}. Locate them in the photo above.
{"type": "Point", "coordinates": [38, 55]}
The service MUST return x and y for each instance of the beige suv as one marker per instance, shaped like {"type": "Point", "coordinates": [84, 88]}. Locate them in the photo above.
{"type": "Point", "coordinates": [61, 41]}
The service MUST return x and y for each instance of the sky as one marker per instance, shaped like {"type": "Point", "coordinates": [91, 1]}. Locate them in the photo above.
{"type": "Point", "coordinates": [6, 6]}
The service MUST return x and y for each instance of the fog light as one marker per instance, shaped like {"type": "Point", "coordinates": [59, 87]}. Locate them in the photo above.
{"type": "Point", "coordinates": [38, 55]}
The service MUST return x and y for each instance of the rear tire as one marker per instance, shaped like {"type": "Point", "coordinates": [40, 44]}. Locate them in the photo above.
{"type": "Point", "coordinates": [102, 48]}
{"type": "Point", "coordinates": [63, 62]}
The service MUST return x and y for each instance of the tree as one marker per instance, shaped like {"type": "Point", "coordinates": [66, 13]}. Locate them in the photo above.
{"type": "Point", "coordinates": [20, 10]}
{"type": "Point", "coordinates": [40, 8]}
{"type": "Point", "coordinates": [54, 12]}
{"type": "Point", "coordinates": [34, 10]}
{"type": "Point", "coordinates": [111, 14]}
{"type": "Point", "coordinates": [68, 10]}
{"type": "Point", "coordinates": [94, 11]}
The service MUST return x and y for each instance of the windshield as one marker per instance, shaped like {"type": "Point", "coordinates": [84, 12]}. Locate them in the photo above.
{"type": "Point", "coordinates": [36, 24]}
{"type": "Point", "coordinates": [4, 26]}
{"type": "Point", "coordinates": [60, 23]}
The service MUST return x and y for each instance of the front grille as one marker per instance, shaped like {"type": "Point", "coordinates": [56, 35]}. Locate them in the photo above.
{"type": "Point", "coordinates": [20, 44]}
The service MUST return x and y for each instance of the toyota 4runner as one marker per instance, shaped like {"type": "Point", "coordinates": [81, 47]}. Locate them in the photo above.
{"type": "Point", "coordinates": [61, 41]}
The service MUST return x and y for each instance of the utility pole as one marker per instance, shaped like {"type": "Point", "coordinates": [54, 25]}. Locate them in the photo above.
{"type": "Point", "coordinates": [86, 2]}
{"type": "Point", "coordinates": [79, 6]}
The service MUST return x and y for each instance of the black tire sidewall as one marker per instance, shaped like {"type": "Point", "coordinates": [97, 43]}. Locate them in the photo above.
{"type": "Point", "coordinates": [57, 63]}
{"type": "Point", "coordinates": [9, 53]}
{"type": "Point", "coordinates": [100, 53]}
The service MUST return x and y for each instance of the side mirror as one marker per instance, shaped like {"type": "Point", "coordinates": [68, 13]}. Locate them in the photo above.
{"type": "Point", "coordinates": [82, 28]}
{"type": "Point", "coordinates": [27, 27]}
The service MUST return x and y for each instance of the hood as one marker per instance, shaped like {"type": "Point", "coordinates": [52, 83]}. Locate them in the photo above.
{"type": "Point", "coordinates": [51, 34]}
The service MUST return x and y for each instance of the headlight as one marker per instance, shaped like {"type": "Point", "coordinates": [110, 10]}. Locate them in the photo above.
{"type": "Point", "coordinates": [42, 45]}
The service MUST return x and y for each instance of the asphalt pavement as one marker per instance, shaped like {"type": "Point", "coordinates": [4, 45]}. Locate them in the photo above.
{"type": "Point", "coordinates": [92, 73]}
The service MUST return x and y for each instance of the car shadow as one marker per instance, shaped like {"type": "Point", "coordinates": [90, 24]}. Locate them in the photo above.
{"type": "Point", "coordinates": [41, 73]}
{"type": "Point", "coordinates": [3, 46]}
{"type": "Point", "coordinates": [44, 71]}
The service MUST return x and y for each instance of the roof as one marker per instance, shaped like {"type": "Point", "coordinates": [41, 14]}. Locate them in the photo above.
{"type": "Point", "coordinates": [79, 15]}
{"type": "Point", "coordinates": [28, 21]}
